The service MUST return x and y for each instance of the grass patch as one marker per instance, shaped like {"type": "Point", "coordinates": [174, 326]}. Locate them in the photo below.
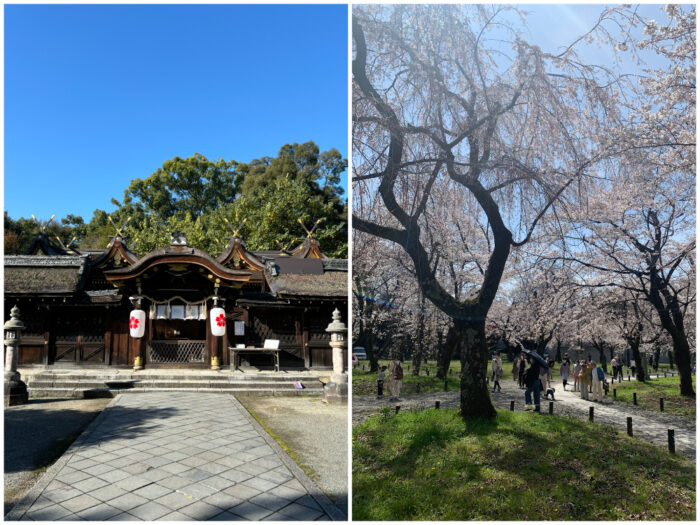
{"type": "Point", "coordinates": [364, 383]}
{"type": "Point", "coordinates": [431, 465]}
{"type": "Point", "coordinates": [649, 392]}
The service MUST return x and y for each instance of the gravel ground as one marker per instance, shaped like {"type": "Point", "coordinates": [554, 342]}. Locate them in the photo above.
{"type": "Point", "coordinates": [52, 425]}
{"type": "Point", "coordinates": [648, 425]}
{"type": "Point", "coordinates": [317, 433]}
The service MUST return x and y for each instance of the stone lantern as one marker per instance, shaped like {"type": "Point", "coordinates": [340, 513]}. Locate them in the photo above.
{"type": "Point", "coordinates": [15, 389]}
{"type": "Point", "coordinates": [336, 391]}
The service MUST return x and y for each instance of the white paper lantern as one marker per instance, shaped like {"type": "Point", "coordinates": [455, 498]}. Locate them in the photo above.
{"type": "Point", "coordinates": [217, 318]}
{"type": "Point", "coordinates": [137, 323]}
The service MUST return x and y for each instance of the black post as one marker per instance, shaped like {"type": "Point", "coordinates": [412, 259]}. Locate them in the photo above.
{"type": "Point", "coordinates": [363, 367]}
{"type": "Point", "coordinates": [634, 398]}
{"type": "Point", "coordinates": [445, 384]}
{"type": "Point", "coordinates": [628, 377]}
{"type": "Point", "coordinates": [629, 426]}
{"type": "Point", "coordinates": [661, 404]}
{"type": "Point", "coordinates": [512, 406]}
{"type": "Point", "coordinates": [427, 372]}
{"type": "Point", "coordinates": [551, 408]}
{"type": "Point", "coordinates": [398, 407]}
{"type": "Point", "coordinates": [614, 392]}
{"type": "Point", "coordinates": [437, 405]}
{"type": "Point", "coordinates": [590, 413]}
{"type": "Point", "coordinates": [450, 372]}
{"type": "Point", "coordinates": [418, 387]}
{"type": "Point", "coordinates": [671, 441]}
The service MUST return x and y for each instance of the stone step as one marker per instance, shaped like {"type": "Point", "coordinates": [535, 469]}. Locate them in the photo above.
{"type": "Point", "coordinates": [111, 392]}
{"type": "Point", "coordinates": [68, 383]}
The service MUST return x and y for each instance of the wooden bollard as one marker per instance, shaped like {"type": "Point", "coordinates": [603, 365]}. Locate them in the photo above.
{"type": "Point", "coordinates": [661, 404]}
{"type": "Point", "coordinates": [671, 441]}
{"type": "Point", "coordinates": [590, 413]}
{"type": "Point", "coordinates": [628, 377]}
{"type": "Point", "coordinates": [398, 407]}
{"type": "Point", "coordinates": [450, 372]}
{"type": "Point", "coordinates": [363, 367]}
{"type": "Point", "coordinates": [445, 384]}
{"type": "Point", "coordinates": [614, 392]}
{"type": "Point", "coordinates": [427, 372]}
{"type": "Point", "coordinates": [664, 373]}
{"type": "Point", "coordinates": [551, 408]}
{"type": "Point", "coordinates": [418, 388]}
{"type": "Point", "coordinates": [634, 398]}
{"type": "Point", "coordinates": [437, 405]}
{"type": "Point", "coordinates": [629, 426]}
{"type": "Point", "coordinates": [512, 406]}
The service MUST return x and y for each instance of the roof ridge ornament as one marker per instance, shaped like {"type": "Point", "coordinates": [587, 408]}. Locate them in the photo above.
{"type": "Point", "coordinates": [310, 233]}
{"type": "Point", "coordinates": [117, 228]}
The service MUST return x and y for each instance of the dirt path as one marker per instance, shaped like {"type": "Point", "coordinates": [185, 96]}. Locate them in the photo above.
{"type": "Point", "coordinates": [647, 425]}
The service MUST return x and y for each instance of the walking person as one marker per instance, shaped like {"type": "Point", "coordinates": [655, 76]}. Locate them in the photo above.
{"type": "Point", "coordinates": [396, 375]}
{"type": "Point", "coordinates": [516, 367]}
{"type": "Point", "coordinates": [380, 382]}
{"type": "Point", "coordinates": [597, 378]}
{"type": "Point", "coordinates": [577, 375]}
{"type": "Point", "coordinates": [584, 381]}
{"type": "Point", "coordinates": [564, 371]}
{"type": "Point", "coordinates": [532, 384]}
{"type": "Point", "coordinates": [496, 371]}
{"type": "Point", "coordinates": [521, 371]}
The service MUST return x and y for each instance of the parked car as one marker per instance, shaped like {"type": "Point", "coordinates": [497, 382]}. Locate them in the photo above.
{"type": "Point", "coordinates": [359, 352]}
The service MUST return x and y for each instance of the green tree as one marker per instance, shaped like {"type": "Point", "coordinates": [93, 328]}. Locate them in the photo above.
{"type": "Point", "coordinates": [185, 187]}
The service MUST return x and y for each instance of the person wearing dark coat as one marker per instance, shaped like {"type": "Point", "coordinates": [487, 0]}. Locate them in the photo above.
{"type": "Point", "coordinates": [532, 384]}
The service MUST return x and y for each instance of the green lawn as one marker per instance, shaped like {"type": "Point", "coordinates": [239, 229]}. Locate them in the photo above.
{"type": "Point", "coordinates": [648, 395]}
{"type": "Point", "coordinates": [430, 465]}
{"type": "Point", "coordinates": [365, 383]}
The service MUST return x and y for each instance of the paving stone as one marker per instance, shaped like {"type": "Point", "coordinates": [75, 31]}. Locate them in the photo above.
{"type": "Point", "coordinates": [174, 482]}
{"type": "Point", "coordinates": [200, 511]}
{"type": "Point", "coordinates": [127, 501]}
{"type": "Point", "coordinates": [152, 491]}
{"type": "Point", "coordinates": [227, 516]}
{"type": "Point", "coordinates": [82, 502]}
{"type": "Point", "coordinates": [210, 455]}
{"type": "Point", "coordinates": [174, 456]}
{"type": "Point", "coordinates": [107, 493]}
{"type": "Point", "coordinates": [135, 468]}
{"type": "Point", "coordinates": [150, 511]}
{"type": "Point", "coordinates": [114, 475]}
{"type": "Point", "coordinates": [252, 469]}
{"type": "Point", "coordinates": [70, 517]}
{"type": "Point", "coordinates": [250, 511]}
{"type": "Point", "coordinates": [133, 483]}
{"type": "Point", "coordinates": [50, 513]}
{"type": "Point", "coordinates": [195, 474]}
{"type": "Point", "coordinates": [223, 500]}
{"type": "Point", "coordinates": [89, 484]}
{"type": "Point", "coordinates": [217, 482]}
{"type": "Point", "coordinates": [236, 475]}
{"type": "Point", "coordinates": [124, 516]}
{"type": "Point", "coordinates": [60, 495]}
{"type": "Point", "coordinates": [213, 468]}
{"type": "Point", "coordinates": [72, 477]}
{"type": "Point", "coordinates": [155, 474]}
{"type": "Point", "coordinates": [176, 516]}
{"type": "Point", "coordinates": [300, 512]}
{"type": "Point", "coordinates": [269, 501]}
{"type": "Point", "coordinates": [99, 512]}
{"type": "Point", "coordinates": [194, 461]}
{"type": "Point", "coordinates": [229, 461]}
{"type": "Point", "coordinates": [198, 490]}
{"type": "Point", "coordinates": [286, 493]}
{"type": "Point", "coordinates": [260, 484]}
{"type": "Point", "coordinates": [79, 463]}
{"type": "Point", "coordinates": [175, 468]}
{"type": "Point", "coordinates": [242, 491]}
{"type": "Point", "coordinates": [275, 476]}
{"type": "Point", "coordinates": [308, 501]}
{"type": "Point", "coordinates": [175, 500]}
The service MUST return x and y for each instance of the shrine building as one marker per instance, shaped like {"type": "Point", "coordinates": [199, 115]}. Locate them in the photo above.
{"type": "Point", "coordinates": [78, 306]}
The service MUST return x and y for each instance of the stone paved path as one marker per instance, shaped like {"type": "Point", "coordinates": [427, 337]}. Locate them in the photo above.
{"type": "Point", "coordinates": [647, 425]}
{"type": "Point", "coordinates": [175, 457]}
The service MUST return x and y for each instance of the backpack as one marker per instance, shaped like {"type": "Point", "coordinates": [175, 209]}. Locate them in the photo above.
{"type": "Point", "coordinates": [601, 374]}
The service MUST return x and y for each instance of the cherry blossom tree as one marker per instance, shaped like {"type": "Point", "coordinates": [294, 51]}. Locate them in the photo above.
{"type": "Point", "coordinates": [450, 104]}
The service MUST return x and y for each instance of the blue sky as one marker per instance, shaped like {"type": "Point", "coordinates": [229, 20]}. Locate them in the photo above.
{"type": "Point", "coordinates": [96, 96]}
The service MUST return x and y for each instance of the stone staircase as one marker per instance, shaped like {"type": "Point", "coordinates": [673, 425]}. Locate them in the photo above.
{"type": "Point", "coordinates": [109, 383]}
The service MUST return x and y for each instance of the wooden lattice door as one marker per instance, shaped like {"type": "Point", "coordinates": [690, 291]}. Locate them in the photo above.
{"type": "Point", "coordinates": [79, 338]}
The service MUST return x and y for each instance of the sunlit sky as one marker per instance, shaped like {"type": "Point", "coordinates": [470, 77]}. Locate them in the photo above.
{"type": "Point", "coordinates": [96, 96]}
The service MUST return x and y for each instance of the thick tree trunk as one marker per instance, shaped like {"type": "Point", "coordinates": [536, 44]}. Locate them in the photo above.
{"type": "Point", "coordinates": [445, 352]}
{"type": "Point", "coordinates": [475, 400]}
{"type": "Point", "coordinates": [681, 350]}
{"type": "Point", "coordinates": [670, 359]}
{"type": "Point", "coordinates": [557, 357]}
{"type": "Point", "coordinates": [638, 360]}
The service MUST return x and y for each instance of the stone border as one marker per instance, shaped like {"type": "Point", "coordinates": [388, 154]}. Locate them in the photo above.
{"type": "Point", "coordinates": [317, 494]}
{"type": "Point", "coordinates": [23, 505]}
